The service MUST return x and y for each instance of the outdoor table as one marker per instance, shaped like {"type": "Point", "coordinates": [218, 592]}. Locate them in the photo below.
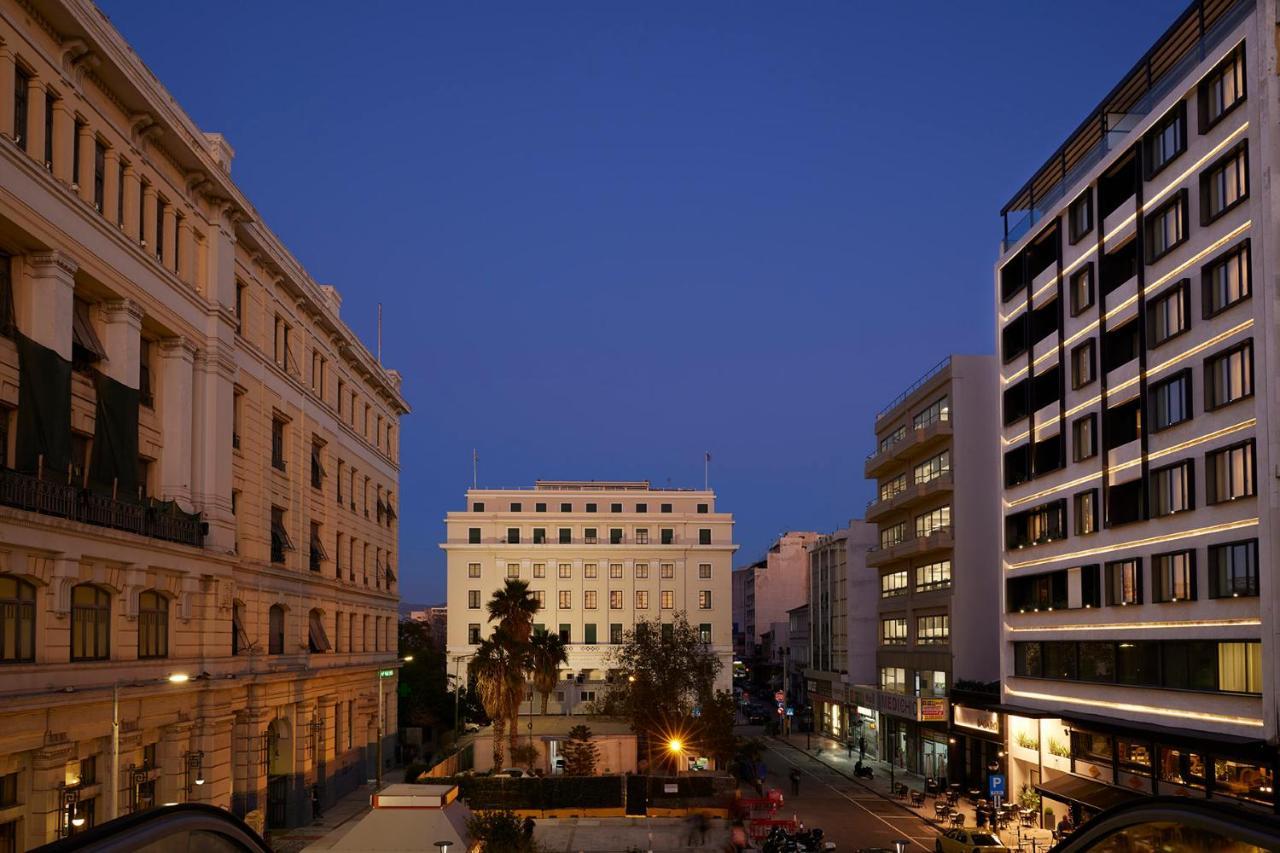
{"type": "Point", "coordinates": [941, 809]}
{"type": "Point", "coordinates": [917, 798]}
{"type": "Point", "coordinates": [957, 818]}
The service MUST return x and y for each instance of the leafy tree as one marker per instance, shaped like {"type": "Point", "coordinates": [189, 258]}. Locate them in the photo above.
{"type": "Point", "coordinates": [547, 655]}
{"type": "Point", "coordinates": [580, 755]}
{"type": "Point", "coordinates": [715, 735]}
{"type": "Point", "coordinates": [500, 832]}
{"type": "Point", "coordinates": [524, 755]}
{"type": "Point", "coordinates": [498, 672]}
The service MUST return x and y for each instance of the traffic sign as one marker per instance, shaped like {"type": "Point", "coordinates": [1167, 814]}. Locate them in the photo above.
{"type": "Point", "coordinates": [387, 673]}
{"type": "Point", "coordinates": [781, 710]}
{"type": "Point", "coordinates": [995, 785]}
{"type": "Point", "coordinates": [791, 712]}
{"type": "Point", "coordinates": [779, 696]}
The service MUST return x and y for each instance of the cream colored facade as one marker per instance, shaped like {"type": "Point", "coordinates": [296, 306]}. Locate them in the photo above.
{"type": "Point", "coordinates": [126, 248]}
{"type": "Point", "coordinates": [601, 556]}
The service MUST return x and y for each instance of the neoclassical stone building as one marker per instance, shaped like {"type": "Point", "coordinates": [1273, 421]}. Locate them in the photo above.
{"type": "Point", "coordinates": [198, 466]}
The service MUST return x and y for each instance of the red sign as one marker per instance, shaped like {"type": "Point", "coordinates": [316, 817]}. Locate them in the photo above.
{"type": "Point", "coordinates": [781, 711]}
{"type": "Point", "coordinates": [780, 696]}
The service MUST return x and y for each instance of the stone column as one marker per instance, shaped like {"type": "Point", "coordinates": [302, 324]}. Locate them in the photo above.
{"type": "Point", "coordinates": [87, 142]}
{"type": "Point", "coordinates": [44, 807]}
{"type": "Point", "coordinates": [132, 190]}
{"type": "Point", "coordinates": [121, 336]}
{"type": "Point", "coordinates": [176, 356]}
{"type": "Point", "coordinates": [170, 226]}
{"type": "Point", "coordinates": [186, 248]}
{"type": "Point", "coordinates": [149, 202]}
{"type": "Point", "coordinates": [8, 80]}
{"type": "Point", "coordinates": [212, 415]}
{"type": "Point", "coordinates": [44, 299]}
{"type": "Point", "coordinates": [64, 124]}
{"type": "Point", "coordinates": [111, 186]}
{"type": "Point", "coordinates": [35, 119]}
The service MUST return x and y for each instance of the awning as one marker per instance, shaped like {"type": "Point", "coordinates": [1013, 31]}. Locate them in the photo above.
{"type": "Point", "coordinates": [242, 638]}
{"type": "Point", "coordinates": [317, 549]}
{"type": "Point", "coordinates": [319, 640]}
{"type": "Point", "coordinates": [83, 337]}
{"type": "Point", "coordinates": [280, 538]}
{"type": "Point", "coordinates": [316, 459]}
{"type": "Point", "coordinates": [391, 575]}
{"type": "Point", "coordinates": [1085, 792]}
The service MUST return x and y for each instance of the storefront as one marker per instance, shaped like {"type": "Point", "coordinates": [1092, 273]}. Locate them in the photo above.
{"type": "Point", "coordinates": [977, 742]}
{"type": "Point", "coordinates": [912, 730]}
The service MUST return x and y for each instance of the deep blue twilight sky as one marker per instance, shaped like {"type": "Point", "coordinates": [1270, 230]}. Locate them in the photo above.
{"type": "Point", "coordinates": [609, 236]}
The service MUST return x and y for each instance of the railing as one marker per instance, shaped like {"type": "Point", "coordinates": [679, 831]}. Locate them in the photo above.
{"type": "Point", "coordinates": [944, 417]}
{"type": "Point", "coordinates": [76, 504]}
{"type": "Point", "coordinates": [914, 386]}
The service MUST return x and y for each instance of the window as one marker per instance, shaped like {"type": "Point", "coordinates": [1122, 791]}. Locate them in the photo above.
{"type": "Point", "coordinates": [933, 468]}
{"type": "Point", "coordinates": [667, 570]}
{"type": "Point", "coordinates": [642, 571]}
{"type": "Point", "coordinates": [589, 638]}
{"type": "Point", "coordinates": [1240, 667]}
{"type": "Point", "coordinates": [642, 507]}
{"type": "Point", "coordinates": [938, 410]}
{"type": "Point", "coordinates": [1233, 569]}
{"type": "Point", "coordinates": [1225, 184]}
{"type": "Point", "coordinates": [539, 536]}
{"type": "Point", "coordinates": [1172, 489]}
{"type": "Point", "coordinates": [1230, 473]}
{"type": "Point", "coordinates": [1166, 228]}
{"type": "Point", "coordinates": [317, 463]}
{"type": "Point", "coordinates": [17, 620]}
{"type": "Point", "coordinates": [615, 633]}
{"type": "Point", "coordinates": [1222, 90]}
{"type": "Point", "coordinates": [473, 599]}
{"type": "Point", "coordinates": [893, 584]}
{"type": "Point", "coordinates": [703, 509]}
{"type": "Point", "coordinates": [566, 570]}
{"type": "Point", "coordinates": [704, 632]}
{"type": "Point", "coordinates": [589, 536]}
{"type": "Point", "coordinates": [473, 634]}
{"type": "Point", "coordinates": [934, 521]}
{"type": "Point", "coordinates": [642, 536]}
{"type": "Point", "coordinates": [1044, 523]}
{"type": "Point", "coordinates": [540, 596]}
{"type": "Point", "coordinates": [704, 536]}
{"type": "Point", "coordinates": [642, 599]}
{"type": "Point", "coordinates": [473, 570]}
{"type": "Point", "coordinates": [589, 570]}
{"type": "Point", "coordinates": [473, 535]}
{"type": "Point", "coordinates": [1166, 140]}
{"type": "Point", "coordinates": [275, 630]}
{"type": "Point", "coordinates": [153, 625]}
{"type": "Point", "coordinates": [933, 576]}
{"type": "Point", "coordinates": [1228, 376]}
{"type": "Point", "coordinates": [893, 438]}
{"type": "Point", "coordinates": [1226, 280]}
{"type": "Point", "coordinates": [1036, 592]}
{"type": "Point", "coordinates": [893, 632]}
{"type": "Point", "coordinates": [1173, 576]}
{"type": "Point", "coordinates": [280, 541]}
{"type": "Point", "coordinates": [566, 599]}
{"type": "Point", "coordinates": [933, 630]}
{"type": "Point", "coordinates": [1124, 582]}
{"type": "Point", "coordinates": [890, 489]}
{"type": "Point", "coordinates": [1169, 314]}
{"type": "Point", "coordinates": [277, 443]}
{"type": "Point", "coordinates": [1084, 438]}
{"type": "Point", "coordinates": [704, 571]}
{"type": "Point", "coordinates": [21, 84]}
{"type": "Point", "coordinates": [894, 535]}
{"type": "Point", "coordinates": [1171, 401]}
{"type": "Point", "coordinates": [704, 599]}
{"type": "Point", "coordinates": [566, 507]}
{"type": "Point", "coordinates": [665, 508]}
{"type": "Point", "coordinates": [1082, 290]}
{"type": "Point", "coordinates": [615, 599]}
{"type": "Point", "coordinates": [615, 535]}
{"type": "Point", "coordinates": [615, 507]}
{"type": "Point", "coordinates": [893, 679]}
{"type": "Point", "coordinates": [591, 507]}
{"type": "Point", "coordinates": [1084, 364]}
{"type": "Point", "coordinates": [1189, 664]}
{"type": "Point", "coordinates": [1080, 216]}
{"type": "Point", "coordinates": [667, 597]}
{"type": "Point", "coordinates": [513, 570]}
{"type": "Point", "coordinates": [668, 536]}
{"type": "Point", "coordinates": [513, 535]}
{"type": "Point", "coordinates": [539, 570]}
{"type": "Point", "coordinates": [615, 570]}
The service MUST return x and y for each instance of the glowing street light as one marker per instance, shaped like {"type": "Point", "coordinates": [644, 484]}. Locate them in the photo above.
{"type": "Point", "coordinates": [179, 678]}
{"type": "Point", "coordinates": [675, 746]}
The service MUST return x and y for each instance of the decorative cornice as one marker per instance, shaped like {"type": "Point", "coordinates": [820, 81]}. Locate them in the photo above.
{"type": "Point", "coordinates": [178, 347]}
{"type": "Point", "coordinates": [54, 257]}
{"type": "Point", "coordinates": [122, 311]}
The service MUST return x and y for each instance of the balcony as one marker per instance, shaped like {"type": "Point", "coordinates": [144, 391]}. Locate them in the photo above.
{"type": "Point", "coordinates": [908, 498]}
{"type": "Point", "coordinates": [1121, 218]}
{"type": "Point", "coordinates": [155, 520]}
{"type": "Point", "coordinates": [916, 441]}
{"type": "Point", "coordinates": [939, 540]}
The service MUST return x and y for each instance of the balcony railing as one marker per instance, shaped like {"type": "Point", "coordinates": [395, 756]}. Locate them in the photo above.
{"type": "Point", "coordinates": [914, 386]}
{"type": "Point", "coordinates": [76, 504]}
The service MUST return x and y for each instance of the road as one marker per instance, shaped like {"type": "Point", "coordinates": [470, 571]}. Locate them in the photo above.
{"type": "Point", "coordinates": [850, 815]}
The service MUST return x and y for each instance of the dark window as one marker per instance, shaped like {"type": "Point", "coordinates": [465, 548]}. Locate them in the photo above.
{"type": "Point", "coordinates": [1173, 576]}
{"type": "Point", "coordinates": [1039, 524]}
{"type": "Point", "coordinates": [1037, 592]}
{"type": "Point", "coordinates": [1027, 661]}
{"type": "Point", "coordinates": [515, 507]}
{"type": "Point", "coordinates": [1115, 269]}
{"type": "Point", "coordinates": [1045, 321]}
{"type": "Point", "coordinates": [145, 394]}
{"type": "Point", "coordinates": [704, 536]}
{"type": "Point", "coordinates": [539, 535]}
{"type": "Point", "coordinates": [591, 507]}
{"type": "Point", "coordinates": [1166, 228]}
{"type": "Point", "coordinates": [1124, 582]}
{"type": "Point", "coordinates": [564, 633]}
{"type": "Point", "coordinates": [666, 508]}
{"type": "Point", "coordinates": [1172, 489]}
{"type": "Point", "coordinates": [1189, 664]}
{"type": "Point", "coordinates": [1047, 455]}
{"type": "Point", "coordinates": [615, 507]}
{"type": "Point", "coordinates": [1225, 184]}
{"type": "Point", "coordinates": [99, 175]}
{"type": "Point", "coordinates": [1119, 346]}
{"type": "Point", "coordinates": [539, 507]}
{"type": "Point", "coordinates": [1080, 216]}
{"type": "Point", "coordinates": [1126, 503]}
{"type": "Point", "coordinates": [77, 127]}
{"type": "Point", "coordinates": [1233, 569]}
{"type": "Point", "coordinates": [1226, 280]}
{"type": "Point", "coordinates": [240, 313]}
{"type": "Point", "coordinates": [1012, 277]}
{"type": "Point", "coordinates": [566, 535]}
{"type": "Point", "coordinates": [1228, 376]}
{"type": "Point", "coordinates": [615, 536]}
{"type": "Point", "coordinates": [1138, 663]}
{"type": "Point", "coordinates": [316, 554]}
{"type": "Point", "coordinates": [239, 639]}
{"type": "Point", "coordinates": [642, 507]}
{"type": "Point", "coordinates": [1222, 90]}
{"type": "Point", "coordinates": [21, 82]}
{"type": "Point", "coordinates": [1086, 512]}
{"type": "Point", "coordinates": [1171, 401]}
{"type": "Point", "coordinates": [17, 620]}
{"type": "Point", "coordinates": [275, 630]}
{"type": "Point", "coordinates": [153, 625]}
{"type": "Point", "coordinates": [1084, 364]}
{"type": "Point", "coordinates": [1059, 660]}
{"type": "Point", "coordinates": [1169, 314]}
{"type": "Point", "coordinates": [277, 443]}
{"type": "Point", "coordinates": [473, 535]}
{"type": "Point", "coordinates": [49, 101]}
{"type": "Point", "coordinates": [1017, 402]}
{"type": "Point", "coordinates": [1166, 140]}
{"type": "Point", "coordinates": [668, 536]}
{"type": "Point", "coordinates": [1097, 661]}
{"type": "Point", "coordinates": [161, 206]}
{"type": "Point", "coordinates": [1230, 473]}
{"type": "Point", "coordinates": [1117, 186]}
{"type": "Point", "coordinates": [1046, 388]}
{"type": "Point", "coordinates": [1017, 465]}
{"type": "Point", "coordinates": [1121, 424]}
{"type": "Point", "coordinates": [1088, 746]}
{"type": "Point", "coordinates": [6, 295]}
{"type": "Point", "coordinates": [1013, 338]}
{"type": "Point", "coordinates": [703, 509]}
{"type": "Point", "coordinates": [317, 465]}
{"type": "Point", "coordinates": [513, 535]}
{"type": "Point", "coordinates": [566, 507]}
{"type": "Point", "coordinates": [478, 506]}
{"type": "Point", "coordinates": [1084, 438]}
{"type": "Point", "coordinates": [1091, 585]}
{"type": "Point", "coordinates": [280, 541]}
{"type": "Point", "coordinates": [1082, 290]}
{"type": "Point", "coordinates": [90, 623]}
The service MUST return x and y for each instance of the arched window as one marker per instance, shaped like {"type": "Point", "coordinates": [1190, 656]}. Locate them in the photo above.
{"type": "Point", "coordinates": [90, 623]}
{"type": "Point", "coordinates": [153, 625]}
{"type": "Point", "coordinates": [275, 630]}
{"type": "Point", "coordinates": [17, 620]}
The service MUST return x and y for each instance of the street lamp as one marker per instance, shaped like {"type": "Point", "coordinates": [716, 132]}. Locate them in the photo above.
{"type": "Point", "coordinates": [194, 762]}
{"type": "Point", "coordinates": [113, 790]}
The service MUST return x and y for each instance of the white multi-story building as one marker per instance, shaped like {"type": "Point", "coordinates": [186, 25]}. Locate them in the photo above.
{"type": "Point", "coordinates": [599, 556]}
{"type": "Point", "coordinates": [1138, 430]}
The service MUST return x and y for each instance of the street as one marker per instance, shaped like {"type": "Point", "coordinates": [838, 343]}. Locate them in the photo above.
{"type": "Point", "coordinates": [851, 815]}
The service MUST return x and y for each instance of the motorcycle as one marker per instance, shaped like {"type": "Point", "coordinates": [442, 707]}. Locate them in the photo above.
{"type": "Point", "coordinates": [780, 840]}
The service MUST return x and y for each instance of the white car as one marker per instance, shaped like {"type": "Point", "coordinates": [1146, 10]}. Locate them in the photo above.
{"type": "Point", "coordinates": [513, 773]}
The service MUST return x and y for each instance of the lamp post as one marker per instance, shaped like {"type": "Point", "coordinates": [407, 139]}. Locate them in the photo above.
{"type": "Point", "coordinates": [113, 789]}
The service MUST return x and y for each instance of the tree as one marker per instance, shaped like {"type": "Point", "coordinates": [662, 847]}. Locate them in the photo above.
{"type": "Point", "coordinates": [524, 755]}
{"type": "Point", "coordinates": [424, 697]}
{"type": "Point", "coordinates": [715, 727]}
{"type": "Point", "coordinates": [580, 754]}
{"type": "Point", "coordinates": [498, 672]}
{"type": "Point", "coordinates": [662, 670]}
{"type": "Point", "coordinates": [499, 832]}
{"type": "Point", "coordinates": [547, 655]}
{"type": "Point", "coordinates": [513, 608]}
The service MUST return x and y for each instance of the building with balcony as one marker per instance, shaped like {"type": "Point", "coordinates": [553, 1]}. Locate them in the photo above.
{"type": "Point", "coordinates": [599, 556]}
{"type": "Point", "coordinates": [198, 466]}
{"type": "Point", "coordinates": [1137, 426]}
{"type": "Point", "coordinates": [935, 560]}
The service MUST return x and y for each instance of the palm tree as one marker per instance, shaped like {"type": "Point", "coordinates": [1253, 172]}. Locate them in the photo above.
{"type": "Point", "coordinates": [498, 671]}
{"type": "Point", "coordinates": [546, 656]}
{"type": "Point", "coordinates": [513, 608]}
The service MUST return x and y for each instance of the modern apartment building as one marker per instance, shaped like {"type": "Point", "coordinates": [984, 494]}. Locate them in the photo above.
{"type": "Point", "coordinates": [1138, 425]}
{"type": "Point", "coordinates": [599, 556]}
{"type": "Point", "coordinates": [198, 466]}
{"type": "Point", "coordinates": [842, 632]}
{"type": "Point", "coordinates": [935, 467]}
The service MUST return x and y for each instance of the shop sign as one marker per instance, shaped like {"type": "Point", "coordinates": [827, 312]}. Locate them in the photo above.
{"type": "Point", "coordinates": [933, 710]}
{"type": "Point", "coordinates": [897, 704]}
{"type": "Point", "coordinates": [972, 718]}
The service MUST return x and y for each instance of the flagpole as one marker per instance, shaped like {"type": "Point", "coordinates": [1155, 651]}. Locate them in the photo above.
{"type": "Point", "coordinates": [475, 468]}
{"type": "Point", "coordinates": [706, 471]}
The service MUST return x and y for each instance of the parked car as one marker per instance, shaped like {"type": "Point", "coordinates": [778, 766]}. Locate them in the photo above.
{"type": "Point", "coordinates": [964, 840]}
{"type": "Point", "coordinates": [513, 773]}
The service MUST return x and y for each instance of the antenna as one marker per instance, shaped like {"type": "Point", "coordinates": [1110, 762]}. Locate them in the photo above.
{"type": "Point", "coordinates": [475, 468]}
{"type": "Point", "coordinates": [379, 334]}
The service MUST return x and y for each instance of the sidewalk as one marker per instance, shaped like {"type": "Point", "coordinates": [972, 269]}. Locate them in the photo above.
{"type": "Point", "coordinates": [836, 756]}
{"type": "Point", "coordinates": [337, 819]}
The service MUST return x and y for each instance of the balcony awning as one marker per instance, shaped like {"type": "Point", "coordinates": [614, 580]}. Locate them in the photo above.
{"type": "Point", "coordinates": [316, 459]}
{"type": "Point", "coordinates": [317, 549]}
{"type": "Point", "coordinates": [319, 640]}
{"type": "Point", "coordinates": [83, 337]}
{"type": "Point", "coordinates": [1085, 792]}
{"type": "Point", "coordinates": [279, 537]}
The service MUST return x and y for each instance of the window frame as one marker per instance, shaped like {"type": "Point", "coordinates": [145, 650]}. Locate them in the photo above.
{"type": "Point", "coordinates": [1180, 291]}
{"type": "Point", "coordinates": [1210, 492]}
{"type": "Point", "coordinates": [1210, 385]}
{"type": "Point", "coordinates": [1237, 56]}
{"type": "Point", "coordinates": [1090, 348]}
{"type": "Point", "coordinates": [1176, 114]}
{"type": "Point", "coordinates": [1085, 271]}
{"type": "Point", "coordinates": [1091, 421]}
{"type": "Point", "coordinates": [1160, 581]}
{"type": "Point", "coordinates": [1223, 163]}
{"type": "Point", "coordinates": [1243, 248]}
{"type": "Point", "coordinates": [1181, 378]}
{"type": "Point", "coordinates": [1251, 587]}
{"type": "Point", "coordinates": [1187, 465]}
{"type": "Point", "coordinates": [1179, 201]}
{"type": "Point", "coordinates": [1109, 580]}
{"type": "Point", "coordinates": [1083, 201]}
